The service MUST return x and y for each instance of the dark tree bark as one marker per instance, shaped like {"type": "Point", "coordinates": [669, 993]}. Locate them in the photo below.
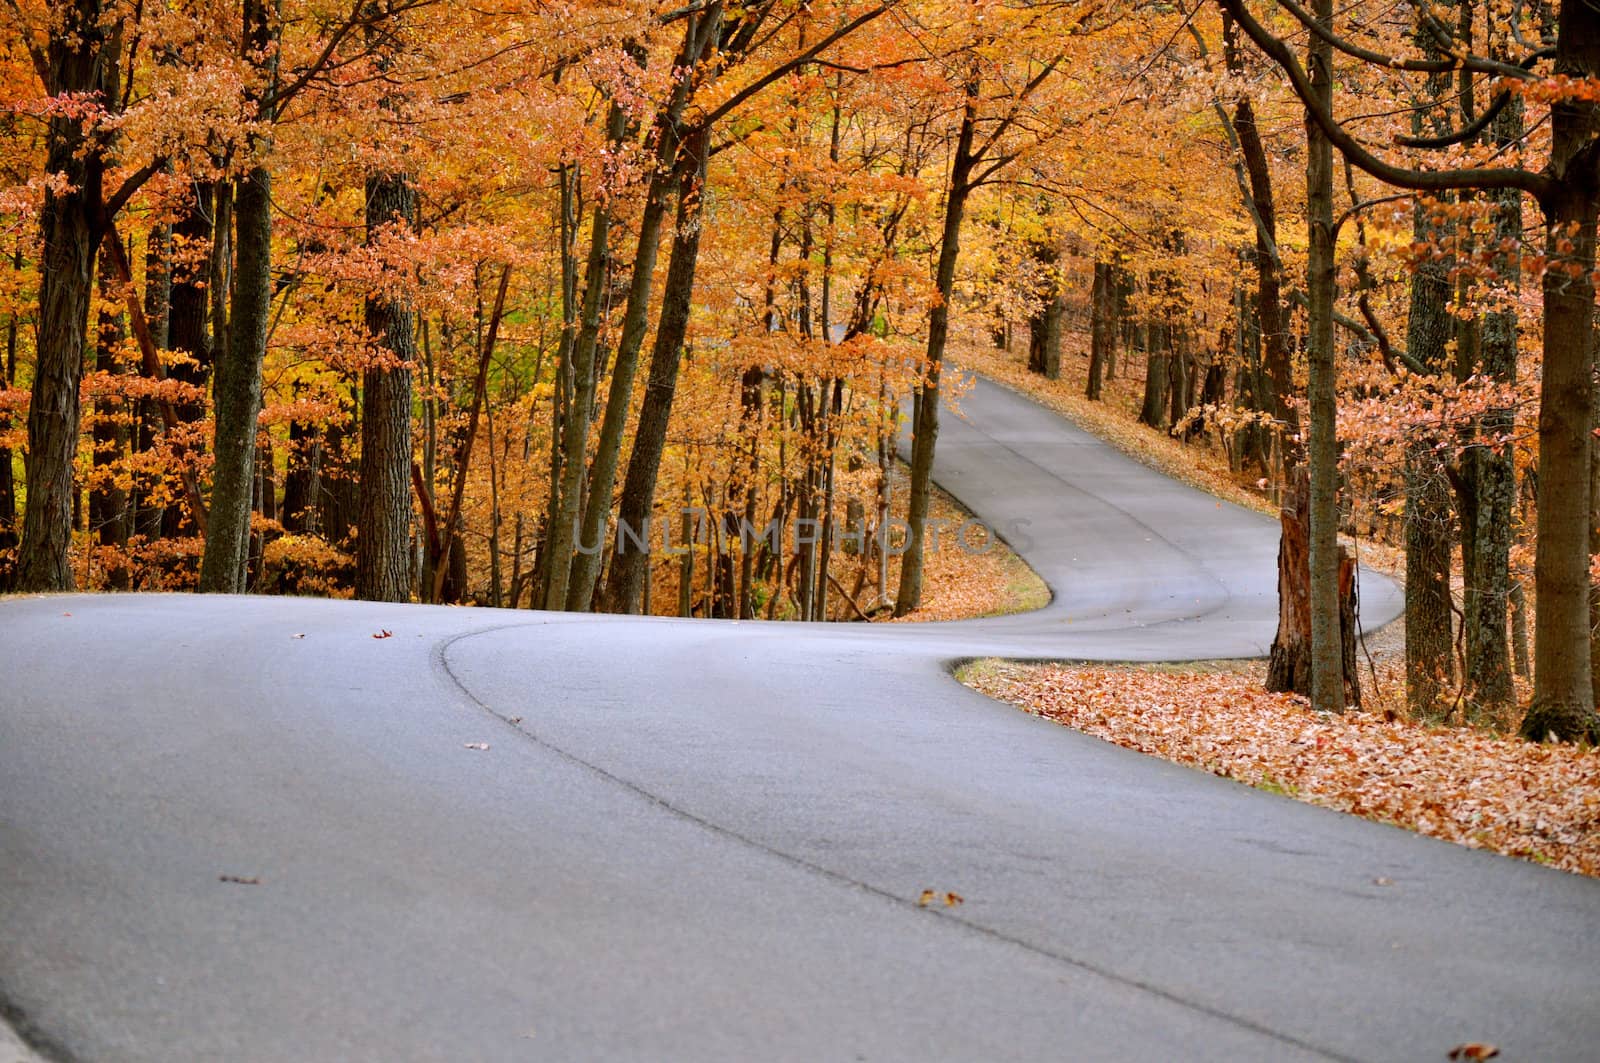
{"type": "Point", "coordinates": [1157, 377]}
{"type": "Point", "coordinates": [238, 374]}
{"type": "Point", "coordinates": [145, 515]}
{"type": "Point", "coordinates": [630, 568]}
{"type": "Point", "coordinates": [1430, 669]}
{"type": "Point", "coordinates": [1492, 472]}
{"type": "Point", "coordinates": [1563, 699]}
{"type": "Point", "coordinates": [238, 390]}
{"type": "Point", "coordinates": [1270, 316]}
{"type": "Point", "coordinates": [1327, 681]}
{"type": "Point", "coordinates": [1102, 335]}
{"type": "Point", "coordinates": [1180, 376]}
{"type": "Point", "coordinates": [8, 487]}
{"type": "Point", "coordinates": [108, 501]}
{"type": "Point", "coordinates": [1290, 663]}
{"type": "Point", "coordinates": [383, 523]}
{"type": "Point", "coordinates": [699, 33]}
{"type": "Point", "coordinates": [1044, 337]}
{"type": "Point", "coordinates": [69, 229]}
{"type": "Point", "coordinates": [338, 498]}
{"type": "Point", "coordinates": [189, 326]}
{"type": "Point", "coordinates": [302, 480]}
{"type": "Point", "coordinates": [1045, 325]}
{"type": "Point", "coordinates": [575, 429]}
{"type": "Point", "coordinates": [925, 431]}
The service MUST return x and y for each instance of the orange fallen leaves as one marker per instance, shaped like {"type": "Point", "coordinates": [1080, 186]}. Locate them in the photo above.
{"type": "Point", "coordinates": [1469, 786]}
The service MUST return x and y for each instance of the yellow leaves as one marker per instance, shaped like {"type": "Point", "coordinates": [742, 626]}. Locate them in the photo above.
{"type": "Point", "coordinates": [1464, 785]}
{"type": "Point", "coordinates": [948, 899]}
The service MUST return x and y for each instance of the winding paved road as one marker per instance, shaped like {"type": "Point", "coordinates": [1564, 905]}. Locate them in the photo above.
{"type": "Point", "coordinates": [706, 840]}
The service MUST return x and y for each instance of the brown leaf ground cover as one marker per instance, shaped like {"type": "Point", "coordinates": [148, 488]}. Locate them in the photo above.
{"type": "Point", "coordinates": [1465, 785]}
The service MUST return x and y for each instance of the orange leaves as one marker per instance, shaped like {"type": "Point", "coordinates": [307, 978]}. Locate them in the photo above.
{"type": "Point", "coordinates": [1533, 801]}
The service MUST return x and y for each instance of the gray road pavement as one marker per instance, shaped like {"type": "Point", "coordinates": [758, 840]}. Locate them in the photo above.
{"type": "Point", "coordinates": [707, 840]}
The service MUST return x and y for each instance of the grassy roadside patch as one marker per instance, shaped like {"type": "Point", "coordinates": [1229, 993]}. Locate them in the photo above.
{"type": "Point", "coordinates": [1465, 785]}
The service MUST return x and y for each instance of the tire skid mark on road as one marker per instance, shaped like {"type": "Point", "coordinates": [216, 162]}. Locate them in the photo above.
{"type": "Point", "coordinates": [440, 659]}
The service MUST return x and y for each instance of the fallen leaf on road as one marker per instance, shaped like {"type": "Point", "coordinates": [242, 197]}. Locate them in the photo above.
{"type": "Point", "coordinates": [953, 899]}
{"type": "Point", "coordinates": [926, 898]}
{"type": "Point", "coordinates": [1474, 1050]}
{"type": "Point", "coordinates": [477, 745]}
{"type": "Point", "coordinates": [240, 880]}
{"type": "Point", "coordinates": [385, 634]}
{"type": "Point", "coordinates": [299, 636]}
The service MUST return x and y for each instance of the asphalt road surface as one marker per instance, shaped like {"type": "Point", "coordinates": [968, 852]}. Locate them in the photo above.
{"type": "Point", "coordinates": [695, 840]}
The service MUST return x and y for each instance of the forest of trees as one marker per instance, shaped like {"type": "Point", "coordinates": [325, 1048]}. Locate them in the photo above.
{"type": "Point", "coordinates": [407, 300]}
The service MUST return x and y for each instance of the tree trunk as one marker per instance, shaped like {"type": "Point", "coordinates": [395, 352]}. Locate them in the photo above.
{"type": "Point", "coordinates": [1269, 296]}
{"type": "Point", "coordinates": [188, 328]}
{"type": "Point", "coordinates": [1327, 683]}
{"type": "Point", "coordinates": [383, 522]}
{"type": "Point", "coordinates": [1153, 412]}
{"type": "Point", "coordinates": [302, 482]}
{"type": "Point", "coordinates": [8, 486]}
{"type": "Point", "coordinates": [575, 429]}
{"type": "Point", "coordinates": [238, 390]}
{"type": "Point", "coordinates": [1180, 376]}
{"type": "Point", "coordinates": [146, 515]}
{"type": "Point", "coordinates": [635, 322]}
{"type": "Point", "coordinates": [338, 497]}
{"type": "Point", "coordinates": [108, 501]}
{"type": "Point", "coordinates": [1429, 666]}
{"type": "Point", "coordinates": [1045, 326]}
{"type": "Point", "coordinates": [925, 431]}
{"type": "Point", "coordinates": [1101, 332]}
{"type": "Point", "coordinates": [1290, 663]}
{"type": "Point", "coordinates": [1563, 697]}
{"type": "Point", "coordinates": [630, 568]}
{"type": "Point", "coordinates": [1493, 473]}
{"type": "Point", "coordinates": [69, 235]}
{"type": "Point", "coordinates": [238, 382]}
{"type": "Point", "coordinates": [1428, 525]}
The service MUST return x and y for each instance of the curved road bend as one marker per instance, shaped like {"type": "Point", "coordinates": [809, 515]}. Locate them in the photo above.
{"type": "Point", "coordinates": [706, 840]}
